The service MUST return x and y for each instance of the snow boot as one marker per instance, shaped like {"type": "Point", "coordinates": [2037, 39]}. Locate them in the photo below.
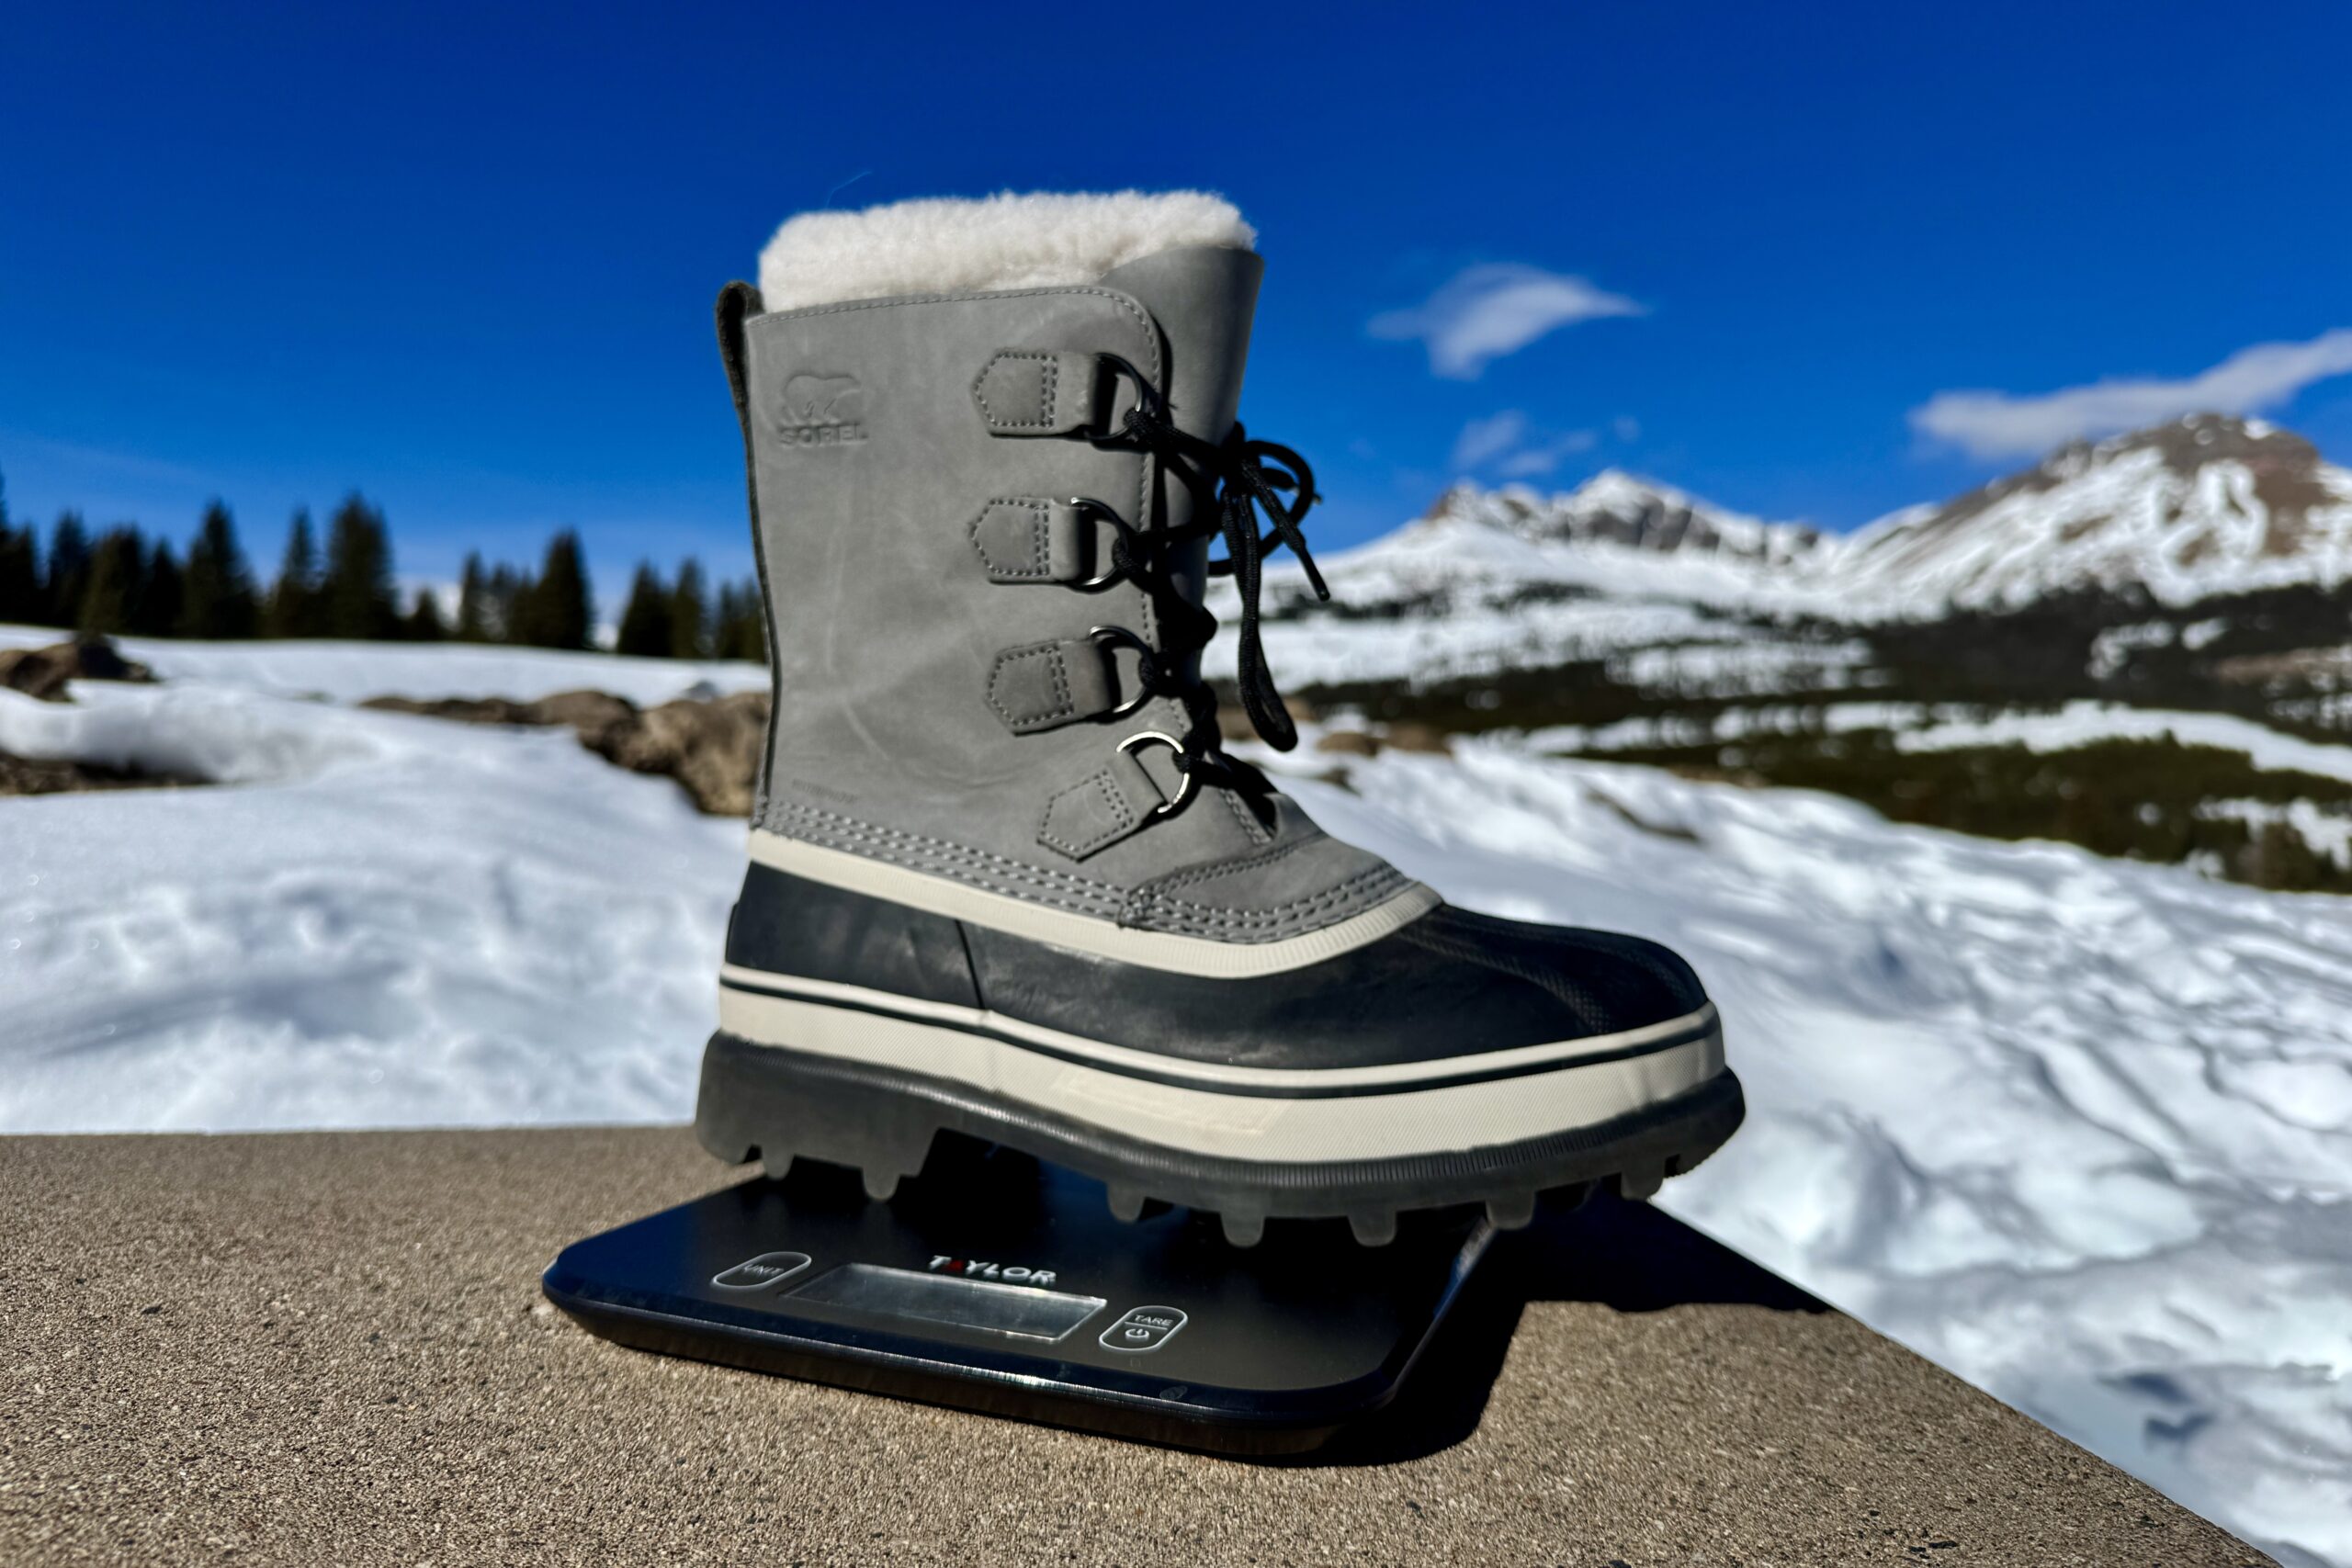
{"type": "Point", "coordinates": [1005, 879]}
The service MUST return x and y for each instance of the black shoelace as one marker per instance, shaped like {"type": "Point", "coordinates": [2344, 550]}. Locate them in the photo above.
{"type": "Point", "coordinates": [1232, 482]}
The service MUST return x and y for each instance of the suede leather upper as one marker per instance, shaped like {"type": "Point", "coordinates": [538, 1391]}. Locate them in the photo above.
{"type": "Point", "coordinates": [940, 706]}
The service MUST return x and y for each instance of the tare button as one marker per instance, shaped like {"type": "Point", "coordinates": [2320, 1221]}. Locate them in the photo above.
{"type": "Point", "coordinates": [1146, 1328]}
{"type": "Point", "coordinates": [759, 1273]}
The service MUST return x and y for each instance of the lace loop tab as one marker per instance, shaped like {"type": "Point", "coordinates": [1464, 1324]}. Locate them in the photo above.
{"type": "Point", "coordinates": [1035, 392]}
{"type": "Point", "coordinates": [1044, 685]}
{"type": "Point", "coordinates": [1022, 539]}
{"type": "Point", "coordinates": [1119, 798]}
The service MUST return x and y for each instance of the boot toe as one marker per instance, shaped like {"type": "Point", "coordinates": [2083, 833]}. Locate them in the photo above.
{"type": "Point", "coordinates": [1591, 982]}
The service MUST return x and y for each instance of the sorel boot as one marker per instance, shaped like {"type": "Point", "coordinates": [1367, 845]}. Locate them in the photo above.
{"type": "Point", "coordinates": [1005, 880]}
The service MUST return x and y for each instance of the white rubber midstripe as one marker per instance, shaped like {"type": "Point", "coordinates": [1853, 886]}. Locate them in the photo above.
{"type": "Point", "coordinates": [1240, 1126]}
{"type": "Point", "coordinates": [1210, 1075]}
{"type": "Point", "coordinates": [1105, 939]}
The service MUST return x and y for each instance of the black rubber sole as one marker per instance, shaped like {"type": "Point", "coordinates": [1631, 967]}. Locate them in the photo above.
{"type": "Point", "coordinates": [779, 1104]}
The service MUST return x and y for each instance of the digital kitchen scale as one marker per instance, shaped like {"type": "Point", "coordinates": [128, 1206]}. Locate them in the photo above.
{"type": "Point", "coordinates": [998, 1283]}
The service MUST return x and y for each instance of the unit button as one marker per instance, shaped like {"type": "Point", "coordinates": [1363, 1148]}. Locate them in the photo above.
{"type": "Point", "coordinates": [1146, 1328]}
{"type": "Point", "coordinates": [759, 1273]}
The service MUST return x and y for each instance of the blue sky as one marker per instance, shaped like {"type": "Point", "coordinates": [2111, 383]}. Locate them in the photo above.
{"type": "Point", "coordinates": [462, 258]}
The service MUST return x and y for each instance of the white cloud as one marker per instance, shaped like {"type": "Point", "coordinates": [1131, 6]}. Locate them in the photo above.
{"type": "Point", "coordinates": [1514, 447]}
{"type": "Point", "coordinates": [1482, 440]}
{"type": "Point", "coordinates": [1497, 308]}
{"type": "Point", "coordinates": [1996, 425]}
{"type": "Point", "coordinates": [1533, 460]}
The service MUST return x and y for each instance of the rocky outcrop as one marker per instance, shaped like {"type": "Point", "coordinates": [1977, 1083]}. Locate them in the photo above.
{"type": "Point", "coordinates": [42, 775]}
{"type": "Point", "coordinates": [709, 744]}
{"type": "Point", "coordinates": [42, 672]}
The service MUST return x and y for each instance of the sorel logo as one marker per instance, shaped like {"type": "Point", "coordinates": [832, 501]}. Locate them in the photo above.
{"type": "Point", "coordinates": [821, 411]}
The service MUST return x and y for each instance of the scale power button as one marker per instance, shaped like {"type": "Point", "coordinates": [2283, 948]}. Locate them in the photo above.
{"type": "Point", "coordinates": [1146, 1328]}
{"type": "Point", "coordinates": [759, 1273]}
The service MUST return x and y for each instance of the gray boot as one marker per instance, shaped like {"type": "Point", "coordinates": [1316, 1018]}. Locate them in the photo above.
{"type": "Point", "coordinates": [1005, 880]}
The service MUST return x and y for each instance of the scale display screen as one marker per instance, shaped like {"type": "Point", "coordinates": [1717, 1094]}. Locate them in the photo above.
{"type": "Point", "coordinates": [1021, 1312]}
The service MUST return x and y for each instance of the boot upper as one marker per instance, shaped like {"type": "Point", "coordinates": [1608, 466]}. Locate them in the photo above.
{"type": "Point", "coordinates": [962, 688]}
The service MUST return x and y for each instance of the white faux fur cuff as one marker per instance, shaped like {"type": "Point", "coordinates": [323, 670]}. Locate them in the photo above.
{"type": "Point", "coordinates": [999, 241]}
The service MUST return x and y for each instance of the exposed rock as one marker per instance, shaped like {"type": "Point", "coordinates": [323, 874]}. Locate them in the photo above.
{"type": "Point", "coordinates": [1407, 735]}
{"type": "Point", "coordinates": [462, 710]}
{"type": "Point", "coordinates": [34, 775]}
{"type": "Point", "coordinates": [42, 672]}
{"type": "Point", "coordinates": [709, 744]}
{"type": "Point", "coordinates": [589, 713]}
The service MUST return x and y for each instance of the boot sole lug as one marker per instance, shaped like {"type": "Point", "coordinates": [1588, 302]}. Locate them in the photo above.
{"type": "Point", "coordinates": [779, 1104]}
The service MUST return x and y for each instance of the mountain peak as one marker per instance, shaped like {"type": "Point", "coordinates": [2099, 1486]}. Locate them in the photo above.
{"type": "Point", "coordinates": [1614, 507]}
{"type": "Point", "coordinates": [2209, 504]}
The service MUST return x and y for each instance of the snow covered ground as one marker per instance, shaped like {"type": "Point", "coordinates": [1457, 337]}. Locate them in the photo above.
{"type": "Point", "coordinates": [386, 919]}
{"type": "Point", "coordinates": [2080, 1130]}
{"type": "Point", "coordinates": [352, 672]}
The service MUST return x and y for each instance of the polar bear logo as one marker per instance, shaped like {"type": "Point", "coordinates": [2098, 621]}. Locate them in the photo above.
{"type": "Point", "coordinates": [821, 411]}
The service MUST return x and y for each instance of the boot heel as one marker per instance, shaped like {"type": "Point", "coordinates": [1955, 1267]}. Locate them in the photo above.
{"type": "Point", "coordinates": [756, 1103]}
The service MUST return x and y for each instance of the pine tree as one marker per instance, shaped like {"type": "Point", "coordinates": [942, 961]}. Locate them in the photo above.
{"type": "Point", "coordinates": [473, 601]}
{"type": "Point", "coordinates": [743, 631]}
{"type": "Point", "coordinates": [69, 571]}
{"type": "Point", "coordinates": [556, 611]}
{"type": "Point", "coordinates": [357, 588]}
{"type": "Point", "coordinates": [508, 589]}
{"type": "Point", "coordinates": [689, 613]}
{"type": "Point", "coordinates": [112, 586]}
{"type": "Point", "coordinates": [294, 598]}
{"type": "Point", "coordinates": [20, 588]}
{"type": "Point", "coordinates": [424, 622]}
{"type": "Point", "coordinates": [644, 627]}
{"type": "Point", "coordinates": [161, 593]}
{"type": "Point", "coordinates": [20, 585]}
{"type": "Point", "coordinates": [218, 601]}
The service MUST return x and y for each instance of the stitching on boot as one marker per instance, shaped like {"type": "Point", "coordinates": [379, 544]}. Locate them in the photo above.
{"type": "Point", "coordinates": [942, 849]}
{"type": "Point", "coordinates": [1194, 875]}
{"type": "Point", "coordinates": [1156, 902]}
{"type": "Point", "coordinates": [1067, 890]}
{"type": "Point", "coordinates": [1041, 564]}
{"type": "Point", "coordinates": [1046, 390]}
{"type": "Point", "coordinates": [1250, 828]}
{"type": "Point", "coordinates": [1062, 707]}
{"type": "Point", "coordinates": [1363, 889]}
{"type": "Point", "coordinates": [1060, 890]}
{"type": "Point", "coordinates": [1113, 796]}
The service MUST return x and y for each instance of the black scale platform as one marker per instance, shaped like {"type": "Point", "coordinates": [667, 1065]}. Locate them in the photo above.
{"type": "Point", "coordinates": [996, 1283]}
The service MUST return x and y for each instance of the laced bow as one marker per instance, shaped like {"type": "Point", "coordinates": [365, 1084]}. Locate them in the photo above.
{"type": "Point", "coordinates": [1232, 482]}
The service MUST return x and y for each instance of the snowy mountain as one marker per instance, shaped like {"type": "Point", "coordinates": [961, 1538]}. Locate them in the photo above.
{"type": "Point", "coordinates": [1615, 507]}
{"type": "Point", "coordinates": [1681, 599]}
{"type": "Point", "coordinates": [2204, 506]}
